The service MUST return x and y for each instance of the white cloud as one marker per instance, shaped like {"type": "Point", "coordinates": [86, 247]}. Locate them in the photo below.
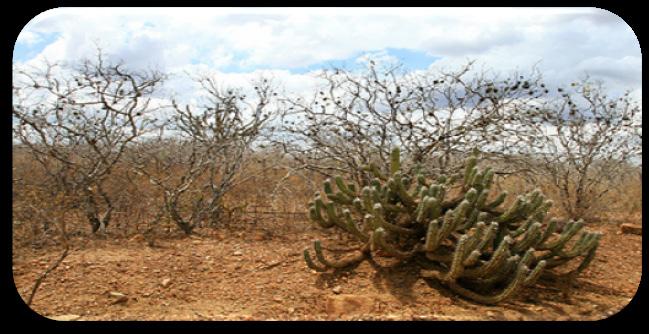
{"type": "Point", "coordinates": [567, 43]}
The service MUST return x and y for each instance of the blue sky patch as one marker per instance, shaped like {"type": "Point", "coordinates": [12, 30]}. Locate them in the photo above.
{"type": "Point", "coordinates": [411, 60]}
{"type": "Point", "coordinates": [24, 51]}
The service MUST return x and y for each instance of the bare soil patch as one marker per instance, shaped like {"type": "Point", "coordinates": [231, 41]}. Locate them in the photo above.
{"type": "Point", "coordinates": [230, 275]}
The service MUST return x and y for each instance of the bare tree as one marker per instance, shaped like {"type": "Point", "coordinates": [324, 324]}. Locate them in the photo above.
{"type": "Point", "coordinates": [356, 119]}
{"type": "Point", "coordinates": [196, 158]}
{"type": "Point", "coordinates": [77, 121]}
{"type": "Point", "coordinates": [584, 142]}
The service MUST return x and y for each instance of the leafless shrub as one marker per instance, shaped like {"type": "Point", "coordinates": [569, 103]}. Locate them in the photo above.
{"type": "Point", "coordinates": [435, 118]}
{"type": "Point", "coordinates": [584, 143]}
{"type": "Point", "coordinates": [76, 122]}
{"type": "Point", "coordinates": [199, 161]}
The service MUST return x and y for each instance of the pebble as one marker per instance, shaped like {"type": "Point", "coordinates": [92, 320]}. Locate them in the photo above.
{"type": "Point", "coordinates": [119, 297]}
{"type": "Point", "coordinates": [165, 282]}
{"type": "Point", "coordinates": [66, 317]}
{"type": "Point", "coordinates": [337, 289]}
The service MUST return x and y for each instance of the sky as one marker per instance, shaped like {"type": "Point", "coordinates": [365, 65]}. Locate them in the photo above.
{"type": "Point", "coordinates": [290, 44]}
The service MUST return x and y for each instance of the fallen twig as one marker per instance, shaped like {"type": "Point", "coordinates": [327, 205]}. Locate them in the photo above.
{"type": "Point", "coordinates": [40, 279]}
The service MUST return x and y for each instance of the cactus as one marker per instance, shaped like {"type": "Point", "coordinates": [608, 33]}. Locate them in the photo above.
{"type": "Point", "coordinates": [455, 225]}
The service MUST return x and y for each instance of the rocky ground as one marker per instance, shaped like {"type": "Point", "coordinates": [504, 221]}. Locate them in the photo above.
{"type": "Point", "coordinates": [262, 276]}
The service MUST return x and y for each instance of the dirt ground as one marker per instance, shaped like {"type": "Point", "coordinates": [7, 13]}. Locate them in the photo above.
{"type": "Point", "coordinates": [262, 276]}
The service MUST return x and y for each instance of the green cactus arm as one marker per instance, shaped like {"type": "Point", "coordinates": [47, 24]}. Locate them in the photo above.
{"type": "Point", "coordinates": [374, 170]}
{"type": "Point", "coordinates": [352, 228]}
{"type": "Point", "coordinates": [472, 259]}
{"type": "Point", "coordinates": [512, 288]}
{"type": "Point", "coordinates": [395, 160]}
{"type": "Point", "coordinates": [434, 190]}
{"type": "Point", "coordinates": [447, 226]}
{"type": "Point", "coordinates": [378, 218]}
{"type": "Point", "coordinates": [457, 265]}
{"type": "Point", "coordinates": [549, 230]}
{"type": "Point", "coordinates": [542, 210]}
{"type": "Point", "coordinates": [421, 180]}
{"type": "Point", "coordinates": [585, 244]}
{"type": "Point", "coordinates": [398, 188]}
{"type": "Point", "coordinates": [469, 169]}
{"type": "Point", "coordinates": [490, 234]}
{"type": "Point", "coordinates": [553, 262]}
{"type": "Point", "coordinates": [500, 199]}
{"type": "Point", "coordinates": [471, 195]}
{"type": "Point", "coordinates": [342, 263]}
{"type": "Point", "coordinates": [429, 209]}
{"type": "Point", "coordinates": [522, 228]}
{"type": "Point", "coordinates": [378, 239]}
{"type": "Point", "coordinates": [432, 236]}
{"type": "Point", "coordinates": [513, 210]}
{"type": "Point", "coordinates": [315, 216]}
{"type": "Point", "coordinates": [332, 216]}
{"type": "Point", "coordinates": [587, 260]}
{"type": "Point", "coordinates": [482, 198]}
{"type": "Point", "coordinates": [502, 273]}
{"type": "Point", "coordinates": [528, 258]}
{"type": "Point", "coordinates": [423, 192]}
{"type": "Point", "coordinates": [478, 179]}
{"type": "Point", "coordinates": [469, 178]}
{"type": "Point", "coordinates": [475, 234]}
{"type": "Point", "coordinates": [568, 233]}
{"type": "Point", "coordinates": [460, 213]}
{"type": "Point", "coordinates": [530, 238]}
{"type": "Point", "coordinates": [394, 208]}
{"type": "Point", "coordinates": [317, 213]}
{"type": "Point", "coordinates": [535, 274]}
{"type": "Point", "coordinates": [311, 264]}
{"type": "Point", "coordinates": [488, 179]}
{"type": "Point", "coordinates": [343, 187]}
{"type": "Point", "coordinates": [498, 260]}
{"type": "Point", "coordinates": [369, 221]}
{"type": "Point", "coordinates": [357, 203]}
{"type": "Point", "coordinates": [471, 220]}
{"type": "Point", "coordinates": [368, 203]}
{"type": "Point", "coordinates": [340, 198]}
{"type": "Point", "coordinates": [327, 187]}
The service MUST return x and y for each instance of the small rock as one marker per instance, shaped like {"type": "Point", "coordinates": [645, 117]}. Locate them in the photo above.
{"type": "Point", "coordinates": [66, 317]}
{"type": "Point", "coordinates": [337, 289]}
{"type": "Point", "coordinates": [277, 299]}
{"type": "Point", "coordinates": [119, 297]}
{"type": "Point", "coordinates": [337, 306]}
{"type": "Point", "coordinates": [137, 238]}
{"type": "Point", "coordinates": [165, 282]}
{"type": "Point", "coordinates": [291, 310]}
{"type": "Point", "coordinates": [631, 229]}
{"type": "Point", "coordinates": [237, 253]}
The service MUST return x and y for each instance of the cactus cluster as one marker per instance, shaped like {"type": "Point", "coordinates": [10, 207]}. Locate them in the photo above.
{"type": "Point", "coordinates": [453, 228]}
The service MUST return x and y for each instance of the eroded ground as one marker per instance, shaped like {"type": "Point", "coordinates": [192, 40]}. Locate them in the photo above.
{"type": "Point", "coordinates": [254, 276]}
